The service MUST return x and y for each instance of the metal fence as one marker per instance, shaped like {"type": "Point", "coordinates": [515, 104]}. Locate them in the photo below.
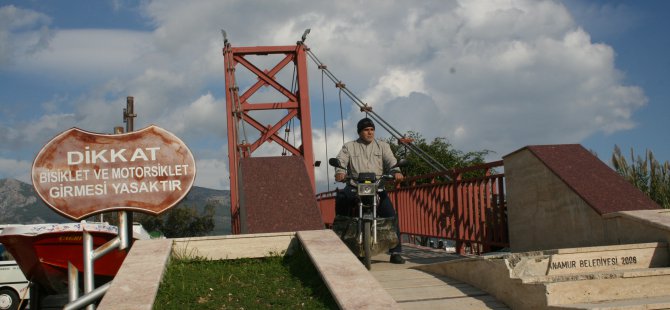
{"type": "Point", "coordinates": [466, 206]}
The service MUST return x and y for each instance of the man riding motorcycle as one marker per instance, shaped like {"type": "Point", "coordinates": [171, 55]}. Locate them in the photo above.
{"type": "Point", "coordinates": [366, 154]}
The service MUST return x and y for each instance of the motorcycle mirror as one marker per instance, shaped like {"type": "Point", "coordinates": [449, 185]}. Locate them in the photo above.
{"type": "Point", "coordinates": [402, 163]}
{"type": "Point", "coordinates": [335, 163]}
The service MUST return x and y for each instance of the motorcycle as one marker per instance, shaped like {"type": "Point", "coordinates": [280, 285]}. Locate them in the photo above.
{"type": "Point", "coordinates": [366, 234]}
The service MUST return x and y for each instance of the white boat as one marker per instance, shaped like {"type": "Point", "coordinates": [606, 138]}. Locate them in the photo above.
{"type": "Point", "coordinates": [13, 284]}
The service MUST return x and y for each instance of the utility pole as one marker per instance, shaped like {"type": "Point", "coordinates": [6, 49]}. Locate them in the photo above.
{"type": "Point", "coordinates": [129, 118]}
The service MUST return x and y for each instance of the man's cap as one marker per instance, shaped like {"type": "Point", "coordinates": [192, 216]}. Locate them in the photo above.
{"type": "Point", "coordinates": [365, 123]}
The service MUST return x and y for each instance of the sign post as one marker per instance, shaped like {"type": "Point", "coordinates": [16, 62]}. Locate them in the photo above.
{"type": "Point", "coordinates": [129, 118]}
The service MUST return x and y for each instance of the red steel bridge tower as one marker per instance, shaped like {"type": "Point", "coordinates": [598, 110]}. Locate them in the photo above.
{"type": "Point", "coordinates": [239, 110]}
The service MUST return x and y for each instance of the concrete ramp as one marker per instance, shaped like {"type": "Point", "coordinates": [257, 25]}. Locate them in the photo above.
{"type": "Point", "coordinates": [635, 276]}
{"type": "Point", "coordinates": [389, 286]}
{"type": "Point", "coordinates": [276, 195]}
{"type": "Point", "coordinates": [352, 286]}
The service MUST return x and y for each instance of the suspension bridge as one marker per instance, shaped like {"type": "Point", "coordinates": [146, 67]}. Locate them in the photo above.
{"type": "Point", "coordinates": [469, 207]}
{"type": "Point", "coordinates": [546, 227]}
{"type": "Point", "coordinates": [474, 218]}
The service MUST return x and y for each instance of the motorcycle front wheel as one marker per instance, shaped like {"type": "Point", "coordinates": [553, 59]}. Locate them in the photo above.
{"type": "Point", "coordinates": [366, 244]}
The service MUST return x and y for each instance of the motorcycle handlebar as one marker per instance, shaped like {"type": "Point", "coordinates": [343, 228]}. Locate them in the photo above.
{"type": "Point", "coordinates": [349, 177]}
{"type": "Point", "coordinates": [388, 176]}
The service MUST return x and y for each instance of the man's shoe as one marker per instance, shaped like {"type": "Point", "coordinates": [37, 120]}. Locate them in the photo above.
{"type": "Point", "coordinates": [397, 259]}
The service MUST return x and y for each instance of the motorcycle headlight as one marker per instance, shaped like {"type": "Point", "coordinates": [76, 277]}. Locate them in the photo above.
{"type": "Point", "coordinates": [366, 189]}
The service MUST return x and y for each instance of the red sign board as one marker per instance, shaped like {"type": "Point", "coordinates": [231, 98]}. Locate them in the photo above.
{"type": "Point", "coordinates": [80, 173]}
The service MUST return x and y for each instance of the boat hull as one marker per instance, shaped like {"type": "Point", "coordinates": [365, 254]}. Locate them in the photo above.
{"type": "Point", "coordinates": [43, 253]}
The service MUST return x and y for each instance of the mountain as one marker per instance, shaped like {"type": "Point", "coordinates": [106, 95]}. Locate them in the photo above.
{"type": "Point", "coordinates": [220, 199]}
{"type": "Point", "coordinates": [20, 204]}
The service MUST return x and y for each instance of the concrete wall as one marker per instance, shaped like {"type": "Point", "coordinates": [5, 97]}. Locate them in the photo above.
{"type": "Point", "coordinates": [235, 246]}
{"type": "Point", "coordinates": [638, 226]}
{"type": "Point", "coordinates": [543, 212]}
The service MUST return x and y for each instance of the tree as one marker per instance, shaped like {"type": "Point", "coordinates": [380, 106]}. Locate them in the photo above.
{"type": "Point", "coordinates": [440, 149]}
{"type": "Point", "coordinates": [647, 174]}
{"type": "Point", "coordinates": [182, 221]}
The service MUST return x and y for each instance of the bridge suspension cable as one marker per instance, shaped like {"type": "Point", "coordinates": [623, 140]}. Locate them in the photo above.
{"type": "Point", "coordinates": [237, 107]}
{"type": "Point", "coordinates": [364, 107]}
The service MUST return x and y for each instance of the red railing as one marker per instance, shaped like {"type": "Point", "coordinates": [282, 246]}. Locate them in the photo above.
{"type": "Point", "coordinates": [468, 210]}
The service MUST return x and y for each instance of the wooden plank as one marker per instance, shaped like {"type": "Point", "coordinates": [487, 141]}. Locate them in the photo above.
{"type": "Point", "coordinates": [434, 292]}
{"type": "Point", "coordinates": [411, 278]}
{"type": "Point", "coordinates": [460, 303]}
{"type": "Point", "coordinates": [418, 283]}
{"type": "Point", "coordinates": [400, 274]}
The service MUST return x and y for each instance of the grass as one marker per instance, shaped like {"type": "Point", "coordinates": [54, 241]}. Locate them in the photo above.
{"type": "Point", "coordinates": [274, 282]}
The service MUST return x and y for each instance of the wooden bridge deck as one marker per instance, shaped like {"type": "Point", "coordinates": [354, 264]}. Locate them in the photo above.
{"type": "Point", "coordinates": [415, 289]}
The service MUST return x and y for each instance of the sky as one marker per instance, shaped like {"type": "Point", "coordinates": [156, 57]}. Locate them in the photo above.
{"type": "Point", "coordinates": [484, 74]}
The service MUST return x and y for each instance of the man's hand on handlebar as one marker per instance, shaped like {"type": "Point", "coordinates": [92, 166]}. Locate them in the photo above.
{"type": "Point", "coordinates": [339, 177]}
{"type": "Point", "coordinates": [342, 177]}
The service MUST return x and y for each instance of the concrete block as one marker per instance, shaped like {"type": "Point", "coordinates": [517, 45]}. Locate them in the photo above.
{"type": "Point", "coordinates": [528, 280]}
{"type": "Point", "coordinates": [235, 246]}
{"type": "Point", "coordinates": [276, 195]}
{"type": "Point", "coordinates": [610, 286]}
{"type": "Point", "coordinates": [492, 275]}
{"type": "Point", "coordinates": [558, 195]}
{"type": "Point", "coordinates": [647, 303]}
{"type": "Point", "coordinates": [589, 259]}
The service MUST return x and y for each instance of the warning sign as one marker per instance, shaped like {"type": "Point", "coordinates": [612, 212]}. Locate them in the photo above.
{"type": "Point", "coordinates": [80, 173]}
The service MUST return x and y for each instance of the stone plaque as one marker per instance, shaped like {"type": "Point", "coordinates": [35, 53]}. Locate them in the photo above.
{"type": "Point", "coordinates": [80, 173]}
{"type": "Point", "coordinates": [600, 261]}
{"type": "Point", "coordinates": [591, 259]}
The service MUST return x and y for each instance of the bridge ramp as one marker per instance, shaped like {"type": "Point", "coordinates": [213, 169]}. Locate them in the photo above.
{"type": "Point", "coordinates": [390, 286]}
{"type": "Point", "coordinates": [413, 288]}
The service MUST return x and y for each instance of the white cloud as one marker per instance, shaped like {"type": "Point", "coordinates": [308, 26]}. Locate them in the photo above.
{"type": "Point", "coordinates": [31, 26]}
{"type": "Point", "coordinates": [88, 53]}
{"type": "Point", "coordinates": [501, 83]}
{"type": "Point", "coordinates": [16, 169]}
{"type": "Point", "coordinates": [395, 83]}
{"type": "Point", "coordinates": [212, 173]}
{"type": "Point", "coordinates": [204, 116]}
{"type": "Point", "coordinates": [324, 174]}
{"type": "Point", "coordinates": [32, 135]}
{"type": "Point", "coordinates": [12, 17]}
{"type": "Point", "coordinates": [492, 75]}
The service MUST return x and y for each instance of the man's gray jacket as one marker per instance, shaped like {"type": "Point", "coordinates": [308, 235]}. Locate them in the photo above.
{"type": "Point", "coordinates": [359, 157]}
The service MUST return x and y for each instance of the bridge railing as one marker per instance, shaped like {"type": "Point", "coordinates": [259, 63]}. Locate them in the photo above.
{"type": "Point", "coordinates": [468, 208]}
